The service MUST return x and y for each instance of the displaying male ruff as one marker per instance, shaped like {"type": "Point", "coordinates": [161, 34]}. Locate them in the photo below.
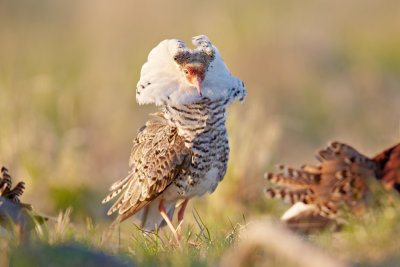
{"type": "Point", "coordinates": [183, 151]}
{"type": "Point", "coordinates": [318, 192]}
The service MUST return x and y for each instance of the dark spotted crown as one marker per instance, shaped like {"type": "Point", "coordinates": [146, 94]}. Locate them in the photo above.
{"type": "Point", "coordinates": [203, 53]}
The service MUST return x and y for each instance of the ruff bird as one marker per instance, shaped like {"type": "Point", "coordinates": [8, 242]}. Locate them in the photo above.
{"type": "Point", "coordinates": [317, 192]}
{"type": "Point", "coordinates": [183, 152]}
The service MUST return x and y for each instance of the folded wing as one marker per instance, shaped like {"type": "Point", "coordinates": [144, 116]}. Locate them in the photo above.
{"type": "Point", "coordinates": [158, 156]}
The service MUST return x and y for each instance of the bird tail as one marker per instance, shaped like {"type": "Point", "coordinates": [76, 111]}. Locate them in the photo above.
{"type": "Point", "coordinates": [318, 192]}
{"type": "Point", "coordinates": [150, 216]}
{"type": "Point", "coordinates": [338, 179]}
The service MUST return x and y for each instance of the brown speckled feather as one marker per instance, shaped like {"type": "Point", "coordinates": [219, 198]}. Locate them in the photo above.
{"type": "Point", "coordinates": [338, 179]}
{"type": "Point", "coordinates": [158, 156]}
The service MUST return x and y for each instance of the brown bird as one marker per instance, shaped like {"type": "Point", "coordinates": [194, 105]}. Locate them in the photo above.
{"type": "Point", "coordinates": [13, 210]}
{"type": "Point", "coordinates": [9, 193]}
{"type": "Point", "coordinates": [317, 192]}
{"type": "Point", "coordinates": [183, 152]}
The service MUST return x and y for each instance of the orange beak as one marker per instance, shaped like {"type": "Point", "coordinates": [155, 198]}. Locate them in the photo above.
{"type": "Point", "coordinates": [197, 84]}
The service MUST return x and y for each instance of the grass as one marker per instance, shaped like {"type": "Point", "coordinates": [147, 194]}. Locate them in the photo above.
{"type": "Point", "coordinates": [60, 240]}
{"type": "Point", "coordinates": [367, 240]}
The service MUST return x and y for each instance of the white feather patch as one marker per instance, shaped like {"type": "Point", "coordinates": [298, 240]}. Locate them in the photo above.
{"type": "Point", "coordinates": [162, 82]}
{"type": "Point", "coordinates": [296, 209]}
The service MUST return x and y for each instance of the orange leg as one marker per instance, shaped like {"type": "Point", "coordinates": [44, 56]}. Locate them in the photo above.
{"type": "Point", "coordinates": [164, 214]}
{"type": "Point", "coordinates": [182, 211]}
{"type": "Point", "coordinates": [180, 215]}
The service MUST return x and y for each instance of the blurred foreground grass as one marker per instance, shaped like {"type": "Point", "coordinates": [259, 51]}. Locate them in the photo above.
{"type": "Point", "coordinates": [366, 240]}
{"type": "Point", "coordinates": [314, 71]}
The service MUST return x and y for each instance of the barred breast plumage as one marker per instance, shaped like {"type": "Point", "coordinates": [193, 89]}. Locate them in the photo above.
{"type": "Point", "coordinates": [208, 141]}
{"type": "Point", "coordinates": [183, 152]}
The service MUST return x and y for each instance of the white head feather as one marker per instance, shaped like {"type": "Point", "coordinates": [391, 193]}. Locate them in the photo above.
{"type": "Point", "coordinates": [162, 80]}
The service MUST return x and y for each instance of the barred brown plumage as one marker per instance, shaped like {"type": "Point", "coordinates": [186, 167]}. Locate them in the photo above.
{"type": "Point", "coordinates": [13, 210]}
{"type": "Point", "coordinates": [317, 192]}
{"type": "Point", "coordinates": [183, 152]}
{"type": "Point", "coordinates": [11, 194]}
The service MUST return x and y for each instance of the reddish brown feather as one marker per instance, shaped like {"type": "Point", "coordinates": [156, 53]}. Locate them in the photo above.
{"type": "Point", "coordinates": [388, 170]}
{"type": "Point", "coordinates": [339, 179]}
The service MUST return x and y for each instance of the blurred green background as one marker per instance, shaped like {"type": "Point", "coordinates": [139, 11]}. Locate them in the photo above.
{"type": "Point", "coordinates": [314, 71]}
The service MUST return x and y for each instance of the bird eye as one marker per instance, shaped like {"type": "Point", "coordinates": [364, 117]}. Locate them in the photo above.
{"type": "Point", "coordinates": [186, 71]}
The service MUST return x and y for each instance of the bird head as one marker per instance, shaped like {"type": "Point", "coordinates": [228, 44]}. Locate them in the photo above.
{"type": "Point", "coordinates": [194, 74]}
{"type": "Point", "coordinates": [177, 75]}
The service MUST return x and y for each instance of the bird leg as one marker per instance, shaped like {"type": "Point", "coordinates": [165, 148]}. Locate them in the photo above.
{"type": "Point", "coordinates": [164, 214]}
{"type": "Point", "coordinates": [181, 213]}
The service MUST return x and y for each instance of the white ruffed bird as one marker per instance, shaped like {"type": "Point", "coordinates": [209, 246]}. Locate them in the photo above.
{"type": "Point", "coordinates": [183, 151]}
